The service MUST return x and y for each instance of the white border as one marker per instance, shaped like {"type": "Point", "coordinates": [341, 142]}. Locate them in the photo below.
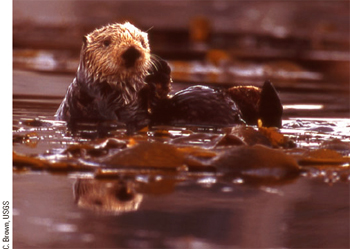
{"type": "Point", "coordinates": [6, 124]}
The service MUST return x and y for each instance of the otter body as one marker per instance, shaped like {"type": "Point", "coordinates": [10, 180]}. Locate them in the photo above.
{"type": "Point", "coordinates": [197, 105]}
{"type": "Point", "coordinates": [113, 63]}
{"type": "Point", "coordinates": [118, 80]}
{"type": "Point", "coordinates": [202, 105]}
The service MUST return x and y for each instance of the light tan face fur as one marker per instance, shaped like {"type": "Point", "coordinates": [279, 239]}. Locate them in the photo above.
{"type": "Point", "coordinates": [103, 49]}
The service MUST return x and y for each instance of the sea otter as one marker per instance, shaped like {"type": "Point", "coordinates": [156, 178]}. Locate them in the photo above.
{"type": "Point", "coordinates": [118, 79]}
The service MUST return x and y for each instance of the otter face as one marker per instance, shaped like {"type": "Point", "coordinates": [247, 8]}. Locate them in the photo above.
{"type": "Point", "coordinates": [116, 53]}
{"type": "Point", "coordinates": [106, 196]}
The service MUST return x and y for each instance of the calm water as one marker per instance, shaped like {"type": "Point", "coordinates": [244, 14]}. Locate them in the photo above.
{"type": "Point", "coordinates": [193, 213]}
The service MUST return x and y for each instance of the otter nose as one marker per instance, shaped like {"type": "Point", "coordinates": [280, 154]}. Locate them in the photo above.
{"type": "Point", "coordinates": [130, 56]}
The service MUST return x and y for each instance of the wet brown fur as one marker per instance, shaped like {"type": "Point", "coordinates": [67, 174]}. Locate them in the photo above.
{"type": "Point", "coordinates": [105, 85]}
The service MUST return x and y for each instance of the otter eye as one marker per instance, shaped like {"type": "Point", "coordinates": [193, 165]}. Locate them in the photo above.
{"type": "Point", "coordinates": [107, 42]}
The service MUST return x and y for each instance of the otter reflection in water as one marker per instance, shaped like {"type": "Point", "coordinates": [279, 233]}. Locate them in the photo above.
{"type": "Point", "coordinates": [106, 196]}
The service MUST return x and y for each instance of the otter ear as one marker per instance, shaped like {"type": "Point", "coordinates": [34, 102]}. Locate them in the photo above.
{"type": "Point", "coordinates": [86, 40]}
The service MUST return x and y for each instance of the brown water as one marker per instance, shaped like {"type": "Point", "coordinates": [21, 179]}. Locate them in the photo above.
{"type": "Point", "coordinates": [189, 197]}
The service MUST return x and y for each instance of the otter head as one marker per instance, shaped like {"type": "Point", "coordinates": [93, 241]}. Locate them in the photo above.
{"type": "Point", "coordinates": [115, 53]}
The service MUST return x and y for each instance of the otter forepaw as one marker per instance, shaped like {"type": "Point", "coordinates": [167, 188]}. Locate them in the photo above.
{"type": "Point", "coordinates": [160, 77]}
